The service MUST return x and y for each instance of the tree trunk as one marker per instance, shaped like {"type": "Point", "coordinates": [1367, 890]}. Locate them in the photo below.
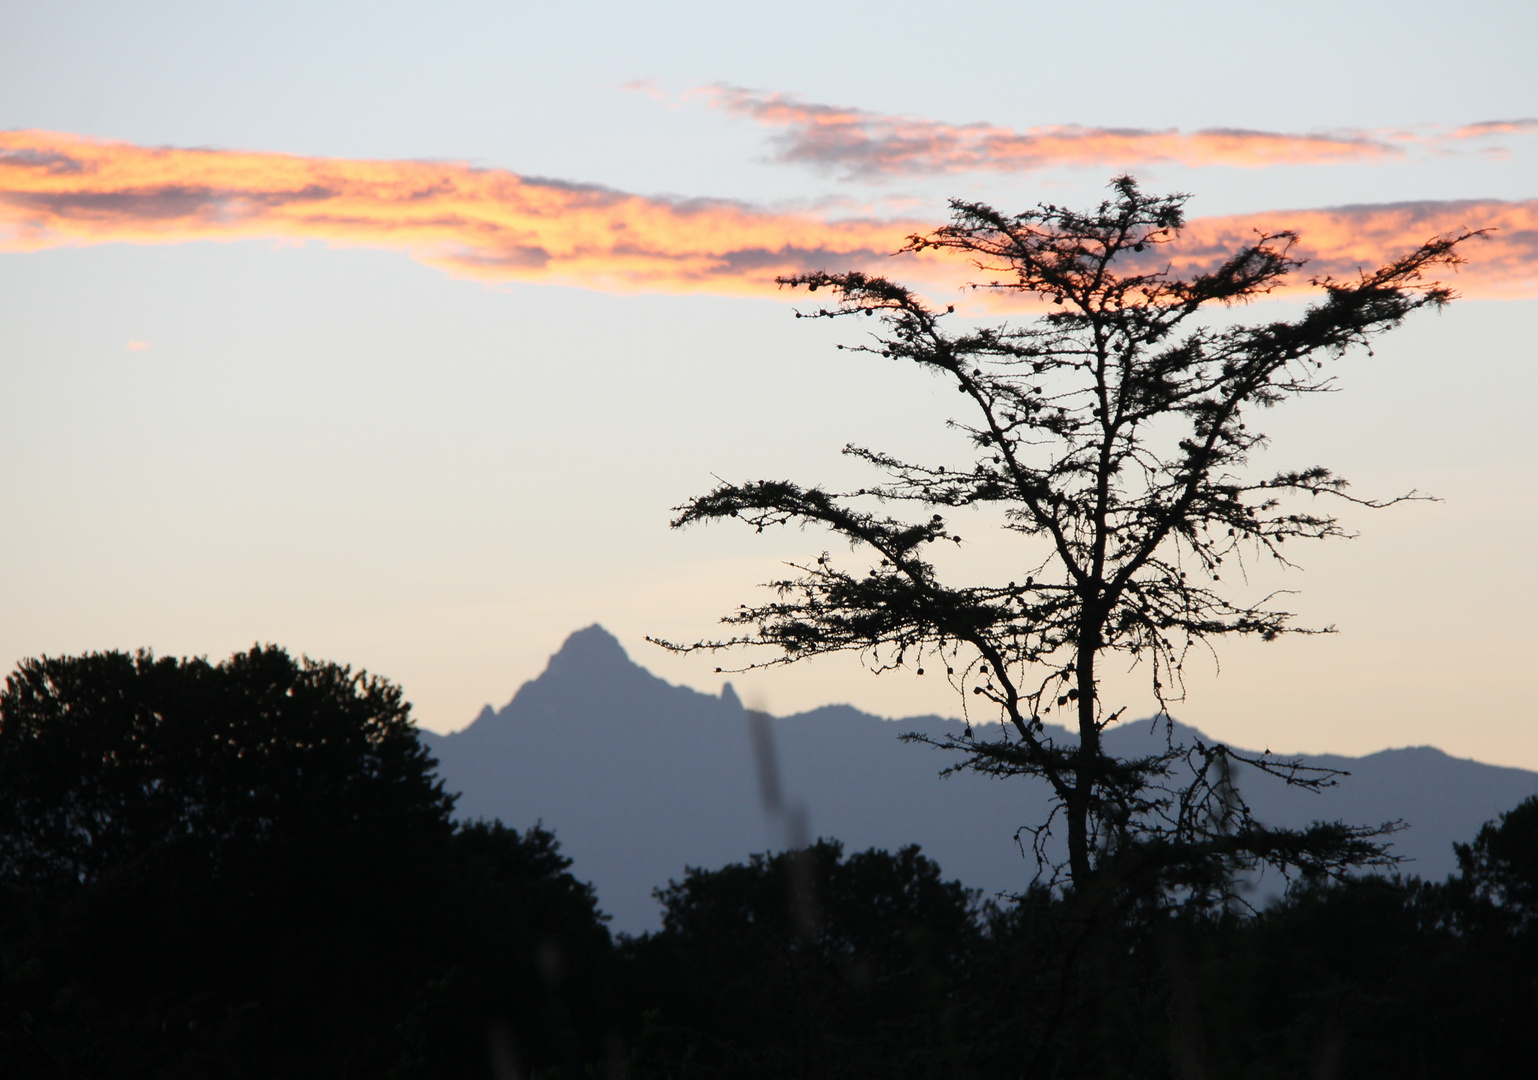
{"type": "Point", "coordinates": [1086, 772]}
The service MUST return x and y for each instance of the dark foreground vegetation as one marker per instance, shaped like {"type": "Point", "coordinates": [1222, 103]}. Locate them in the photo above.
{"type": "Point", "coordinates": [249, 870]}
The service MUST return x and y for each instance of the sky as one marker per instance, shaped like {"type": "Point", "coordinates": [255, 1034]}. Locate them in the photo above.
{"type": "Point", "coordinates": [391, 333]}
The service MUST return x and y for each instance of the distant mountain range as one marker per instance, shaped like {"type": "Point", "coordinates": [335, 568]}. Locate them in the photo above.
{"type": "Point", "coordinates": [639, 779]}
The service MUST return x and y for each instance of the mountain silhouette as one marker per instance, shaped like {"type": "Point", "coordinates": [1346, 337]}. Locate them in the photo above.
{"type": "Point", "coordinates": [639, 779]}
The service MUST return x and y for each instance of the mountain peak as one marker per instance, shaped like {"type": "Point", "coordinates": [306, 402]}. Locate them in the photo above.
{"type": "Point", "coordinates": [591, 670]}
{"type": "Point", "coordinates": [591, 689]}
{"type": "Point", "coordinates": [589, 651]}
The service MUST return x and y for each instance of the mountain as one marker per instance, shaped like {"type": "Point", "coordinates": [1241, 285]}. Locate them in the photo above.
{"type": "Point", "coordinates": [640, 779]}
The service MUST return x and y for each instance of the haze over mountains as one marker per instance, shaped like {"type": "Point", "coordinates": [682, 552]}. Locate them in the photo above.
{"type": "Point", "coordinates": [640, 779]}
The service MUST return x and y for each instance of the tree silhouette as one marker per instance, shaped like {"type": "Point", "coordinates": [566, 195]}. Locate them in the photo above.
{"type": "Point", "coordinates": [108, 759]}
{"type": "Point", "coordinates": [809, 963]}
{"type": "Point", "coordinates": [1499, 869]}
{"type": "Point", "coordinates": [1113, 435]}
{"type": "Point", "coordinates": [900, 973]}
{"type": "Point", "coordinates": [248, 869]}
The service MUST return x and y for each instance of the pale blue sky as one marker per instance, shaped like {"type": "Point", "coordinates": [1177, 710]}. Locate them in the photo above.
{"type": "Point", "coordinates": [357, 456]}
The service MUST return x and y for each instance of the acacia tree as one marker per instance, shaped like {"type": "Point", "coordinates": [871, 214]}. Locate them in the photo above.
{"type": "Point", "coordinates": [1113, 433]}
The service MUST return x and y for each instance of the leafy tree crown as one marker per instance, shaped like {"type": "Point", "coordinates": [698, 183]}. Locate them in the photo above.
{"type": "Point", "coordinates": [109, 757]}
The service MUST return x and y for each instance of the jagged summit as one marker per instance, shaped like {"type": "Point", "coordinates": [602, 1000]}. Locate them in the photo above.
{"type": "Point", "coordinates": [588, 653]}
{"type": "Point", "coordinates": [592, 680]}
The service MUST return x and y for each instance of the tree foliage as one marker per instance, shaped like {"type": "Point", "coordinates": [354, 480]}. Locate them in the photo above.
{"type": "Point", "coordinates": [249, 869]}
{"type": "Point", "coordinates": [109, 758]}
{"type": "Point", "coordinates": [257, 877]}
{"type": "Point", "coordinates": [900, 973]}
{"type": "Point", "coordinates": [808, 963]}
{"type": "Point", "coordinates": [1500, 867]}
{"type": "Point", "coordinates": [1114, 435]}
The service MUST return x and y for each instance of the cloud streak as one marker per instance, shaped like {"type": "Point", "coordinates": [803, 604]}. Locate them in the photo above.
{"type": "Point", "coordinates": [62, 190]}
{"type": "Point", "coordinates": [867, 145]}
{"type": "Point", "coordinates": [1340, 241]}
{"type": "Point", "coordinates": [486, 223]}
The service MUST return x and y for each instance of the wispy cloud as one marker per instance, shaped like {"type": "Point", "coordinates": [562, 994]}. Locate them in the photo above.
{"type": "Point", "coordinates": [58, 190]}
{"type": "Point", "coordinates": [1340, 241]}
{"type": "Point", "coordinates": [866, 145]}
{"type": "Point", "coordinates": [1483, 130]}
{"type": "Point", "coordinates": [61, 189]}
{"type": "Point", "coordinates": [650, 87]}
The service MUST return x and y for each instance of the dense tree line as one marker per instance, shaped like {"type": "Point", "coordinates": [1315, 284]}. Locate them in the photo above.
{"type": "Point", "coordinates": [249, 870]}
{"type": "Point", "coordinates": [907, 975]}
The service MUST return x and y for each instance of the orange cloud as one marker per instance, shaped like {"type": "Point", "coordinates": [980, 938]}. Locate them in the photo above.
{"type": "Point", "coordinates": [486, 223]}
{"type": "Point", "coordinates": [868, 144]}
{"type": "Point", "coordinates": [1486, 129]}
{"type": "Point", "coordinates": [1340, 241]}
{"type": "Point", "coordinates": [58, 190]}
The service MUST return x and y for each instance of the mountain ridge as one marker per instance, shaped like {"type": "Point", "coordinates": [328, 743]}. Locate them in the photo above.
{"type": "Point", "coordinates": [640, 779]}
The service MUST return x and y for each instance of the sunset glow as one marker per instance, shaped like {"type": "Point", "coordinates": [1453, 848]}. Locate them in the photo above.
{"type": "Point", "coordinates": [484, 223]}
{"type": "Point", "coordinates": [391, 334]}
{"type": "Point", "coordinates": [61, 190]}
{"type": "Point", "coordinates": [869, 144]}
